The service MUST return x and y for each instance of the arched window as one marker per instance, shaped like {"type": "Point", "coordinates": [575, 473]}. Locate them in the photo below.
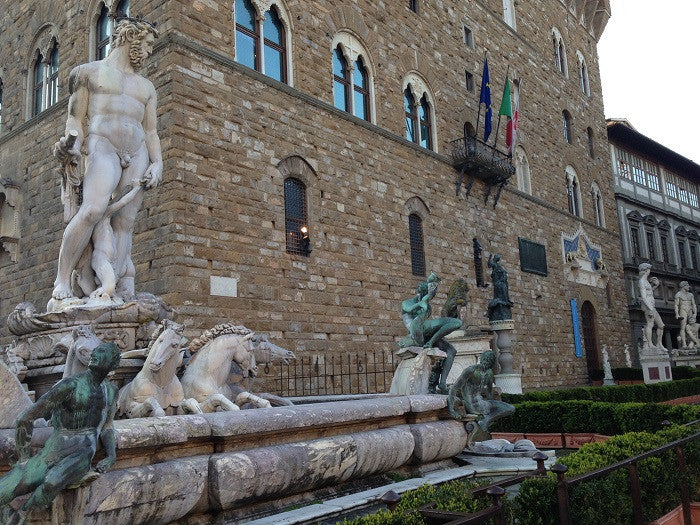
{"type": "Point", "coordinates": [415, 231]}
{"type": "Point", "coordinates": [247, 36]}
{"type": "Point", "coordinates": [568, 129]}
{"type": "Point", "coordinates": [573, 192]}
{"type": "Point", "coordinates": [38, 85]}
{"type": "Point", "coordinates": [560, 63]}
{"type": "Point", "coordinates": [409, 105]}
{"type": "Point", "coordinates": [295, 217]}
{"type": "Point", "coordinates": [275, 49]}
{"type": "Point", "coordinates": [425, 125]}
{"type": "Point", "coordinates": [361, 89]}
{"type": "Point", "coordinates": [509, 12]}
{"type": "Point", "coordinates": [261, 42]}
{"type": "Point", "coordinates": [413, 5]}
{"type": "Point", "coordinates": [341, 81]}
{"type": "Point", "coordinates": [419, 112]}
{"type": "Point", "coordinates": [584, 84]}
{"type": "Point", "coordinates": [522, 170]}
{"type": "Point", "coordinates": [123, 8]}
{"type": "Point", "coordinates": [598, 205]}
{"type": "Point", "coordinates": [52, 77]}
{"type": "Point", "coordinates": [591, 151]}
{"type": "Point", "coordinates": [103, 31]}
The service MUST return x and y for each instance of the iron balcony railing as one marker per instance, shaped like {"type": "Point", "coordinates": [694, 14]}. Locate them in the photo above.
{"type": "Point", "coordinates": [474, 156]}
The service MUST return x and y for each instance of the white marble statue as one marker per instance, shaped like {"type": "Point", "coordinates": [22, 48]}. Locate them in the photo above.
{"type": "Point", "coordinates": [685, 310]}
{"type": "Point", "coordinates": [608, 377]}
{"type": "Point", "coordinates": [628, 357]}
{"type": "Point", "coordinates": [653, 319]}
{"type": "Point", "coordinates": [112, 118]}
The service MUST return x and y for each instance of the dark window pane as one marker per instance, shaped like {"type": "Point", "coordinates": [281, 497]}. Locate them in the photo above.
{"type": "Point", "coordinates": [411, 116]}
{"type": "Point", "coordinates": [650, 246]}
{"type": "Point", "coordinates": [360, 75]}
{"type": "Point", "coordinates": [103, 33]}
{"type": "Point", "coordinates": [123, 8]}
{"type": "Point", "coordinates": [274, 64]}
{"type": "Point", "coordinates": [38, 97]}
{"type": "Point", "coordinates": [245, 14]}
{"type": "Point", "coordinates": [340, 97]}
{"type": "Point", "coordinates": [425, 126]}
{"type": "Point", "coordinates": [339, 63]}
{"type": "Point", "coordinates": [53, 78]}
{"type": "Point", "coordinates": [415, 230]}
{"type": "Point", "coordinates": [361, 96]}
{"type": "Point", "coordinates": [245, 50]}
{"type": "Point", "coordinates": [295, 216]}
{"type": "Point", "coordinates": [273, 29]}
{"type": "Point", "coordinates": [681, 253]}
{"type": "Point", "coordinates": [341, 81]}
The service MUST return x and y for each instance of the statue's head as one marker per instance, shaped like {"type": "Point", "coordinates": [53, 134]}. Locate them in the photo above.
{"type": "Point", "coordinates": [644, 267]}
{"type": "Point", "coordinates": [684, 285]}
{"type": "Point", "coordinates": [105, 358]}
{"type": "Point", "coordinates": [139, 35]}
{"type": "Point", "coordinates": [488, 359]}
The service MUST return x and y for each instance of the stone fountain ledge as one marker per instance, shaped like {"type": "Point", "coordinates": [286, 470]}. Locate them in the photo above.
{"type": "Point", "coordinates": [181, 467]}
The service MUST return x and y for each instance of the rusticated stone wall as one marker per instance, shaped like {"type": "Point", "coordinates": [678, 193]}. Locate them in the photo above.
{"type": "Point", "coordinates": [230, 136]}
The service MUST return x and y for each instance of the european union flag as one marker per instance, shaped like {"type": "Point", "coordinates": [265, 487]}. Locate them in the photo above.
{"type": "Point", "coordinates": [485, 98]}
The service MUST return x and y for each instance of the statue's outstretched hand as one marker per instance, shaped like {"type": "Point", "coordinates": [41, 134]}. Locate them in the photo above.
{"type": "Point", "coordinates": [153, 175]}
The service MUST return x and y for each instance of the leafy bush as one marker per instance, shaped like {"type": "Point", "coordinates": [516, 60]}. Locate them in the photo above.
{"type": "Point", "coordinates": [631, 374]}
{"type": "Point", "coordinates": [593, 416]}
{"type": "Point", "coordinates": [596, 374]}
{"type": "Point", "coordinates": [453, 496]}
{"type": "Point", "coordinates": [684, 372]}
{"type": "Point", "coordinates": [619, 394]}
{"type": "Point", "coordinates": [607, 500]}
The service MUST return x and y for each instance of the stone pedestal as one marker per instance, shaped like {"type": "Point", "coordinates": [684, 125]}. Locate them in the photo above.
{"type": "Point", "coordinates": [469, 345]}
{"type": "Point", "coordinates": [686, 357]}
{"type": "Point", "coordinates": [507, 379]}
{"type": "Point", "coordinates": [656, 367]}
{"type": "Point", "coordinates": [412, 375]}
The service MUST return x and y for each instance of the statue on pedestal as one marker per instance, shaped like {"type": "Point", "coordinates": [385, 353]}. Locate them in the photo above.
{"type": "Point", "coordinates": [429, 333]}
{"type": "Point", "coordinates": [81, 409]}
{"type": "Point", "coordinates": [648, 303]}
{"type": "Point", "coordinates": [499, 308]}
{"type": "Point", "coordinates": [685, 310]}
{"type": "Point", "coordinates": [111, 117]}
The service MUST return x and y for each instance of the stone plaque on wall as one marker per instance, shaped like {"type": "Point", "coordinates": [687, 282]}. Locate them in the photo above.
{"type": "Point", "coordinates": [533, 257]}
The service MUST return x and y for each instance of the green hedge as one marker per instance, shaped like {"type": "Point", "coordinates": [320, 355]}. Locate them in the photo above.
{"type": "Point", "coordinates": [618, 394]}
{"type": "Point", "coordinates": [453, 496]}
{"type": "Point", "coordinates": [607, 499]}
{"type": "Point", "coordinates": [593, 416]}
{"type": "Point", "coordinates": [631, 374]}
{"type": "Point", "coordinates": [684, 372]}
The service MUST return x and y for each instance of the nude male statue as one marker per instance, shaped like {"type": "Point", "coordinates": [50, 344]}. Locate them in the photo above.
{"type": "Point", "coordinates": [646, 297]}
{"type": "Point", "coordinates": [112, 117]}
{"type": "Point", "coordinates": [685, 309]}
{"type": "Point", "coordinates": [81, 409]}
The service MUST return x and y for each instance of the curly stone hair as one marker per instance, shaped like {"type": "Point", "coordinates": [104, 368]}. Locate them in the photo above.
{"type": "Point", "coordinates": [218, 331]}
{"type": "Point", "coordinates": [164, 325]}
{"type": "Point", "coordinates": [129, 29]}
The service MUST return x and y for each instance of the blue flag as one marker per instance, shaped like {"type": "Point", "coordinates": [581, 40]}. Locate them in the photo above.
{"type": "Point", "coordinates": [485, 98]}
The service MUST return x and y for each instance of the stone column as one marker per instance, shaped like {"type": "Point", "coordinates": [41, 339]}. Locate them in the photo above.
{"type": "Point", "coordinates": [507, 379]}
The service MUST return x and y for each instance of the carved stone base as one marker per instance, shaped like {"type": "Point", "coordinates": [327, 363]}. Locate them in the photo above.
{"type": "Point", "coordinates": [469, 347]}
{"type": "Point", "coordinates": [656, 367]}
{"type": "Point", "coordinates": [509, 383]}
{"type": "Point", "coordinates": [412, 374]}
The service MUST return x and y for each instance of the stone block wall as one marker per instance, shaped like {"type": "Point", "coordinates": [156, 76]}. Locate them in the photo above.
{"type": "Point", "coordinates": [231, 135]}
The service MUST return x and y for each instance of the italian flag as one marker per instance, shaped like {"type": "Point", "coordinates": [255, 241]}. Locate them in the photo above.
{"type": "Point", "coordinates": [507, 110]}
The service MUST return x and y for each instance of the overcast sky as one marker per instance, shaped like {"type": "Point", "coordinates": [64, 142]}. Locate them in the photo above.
{"type": "Point", "coordinates": [650, 70]}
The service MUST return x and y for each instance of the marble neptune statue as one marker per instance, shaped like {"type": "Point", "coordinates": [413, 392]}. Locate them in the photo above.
{"type": "Point", "coordinates": [112, 118]}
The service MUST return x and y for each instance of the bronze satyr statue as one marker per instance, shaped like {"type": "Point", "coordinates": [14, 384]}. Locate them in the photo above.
{"type": "Point", "coordinates": [428, 333]}
{"type": "Point", "coordinates": [81, 409]}
{"type": "Point", "coordinates": [470, 388]}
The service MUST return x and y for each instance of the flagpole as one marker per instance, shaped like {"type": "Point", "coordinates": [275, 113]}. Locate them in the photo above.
{"type": "Point", "coordinates": [478, 113]}
{"type": "Point", "coordinates": [498, 124]}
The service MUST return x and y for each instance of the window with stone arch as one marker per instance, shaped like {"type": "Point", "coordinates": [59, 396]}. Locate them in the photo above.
{"type": "Point", "coordinates": [418, 214]}
{"type": "Point", "coordinates": [263, 38]}
{"type": "Point", "coordinates": [299, 177]}
{"type": "Point", "coordinates": [567, 123]}
{"type": "Point", "coordinates": [353, 76]}
{"type": "Point", "coordinates": [560, 63]}
{"type": "Point", "coordinates": [598, 209]}
{"type": "Point", "coordinates": [509, 12]}
{"type": "Point", "coordinates": [584, 84]}
{"type": "Point", "coordinates": [522, 170]}
{"type": "Point", "coordinates": [104, 19]}
{"type": "Point", "coordinates": [573, 192]}
{"type": "Point", "coordinates": [419, 112]}
{"type": "Point", "coordinates": [43, 69]}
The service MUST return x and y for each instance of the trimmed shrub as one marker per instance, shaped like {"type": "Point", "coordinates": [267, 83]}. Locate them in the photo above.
{"type": "Point", "coordinates": [593, 416]}
{"type": "Point", "coordinates": [596, 374]}
{"type": "Point", "coordinates": [620, 394]}
{"type": "Point", "coordinates": [631, 374]}
{"type": "Point", "coordinates": [684, 372]}
{"type": "Point", "coordinates": [607, 500]}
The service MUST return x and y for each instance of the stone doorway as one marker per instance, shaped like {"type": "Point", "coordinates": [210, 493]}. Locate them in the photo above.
{"type": "Point", "coordinates": [590, 336]}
